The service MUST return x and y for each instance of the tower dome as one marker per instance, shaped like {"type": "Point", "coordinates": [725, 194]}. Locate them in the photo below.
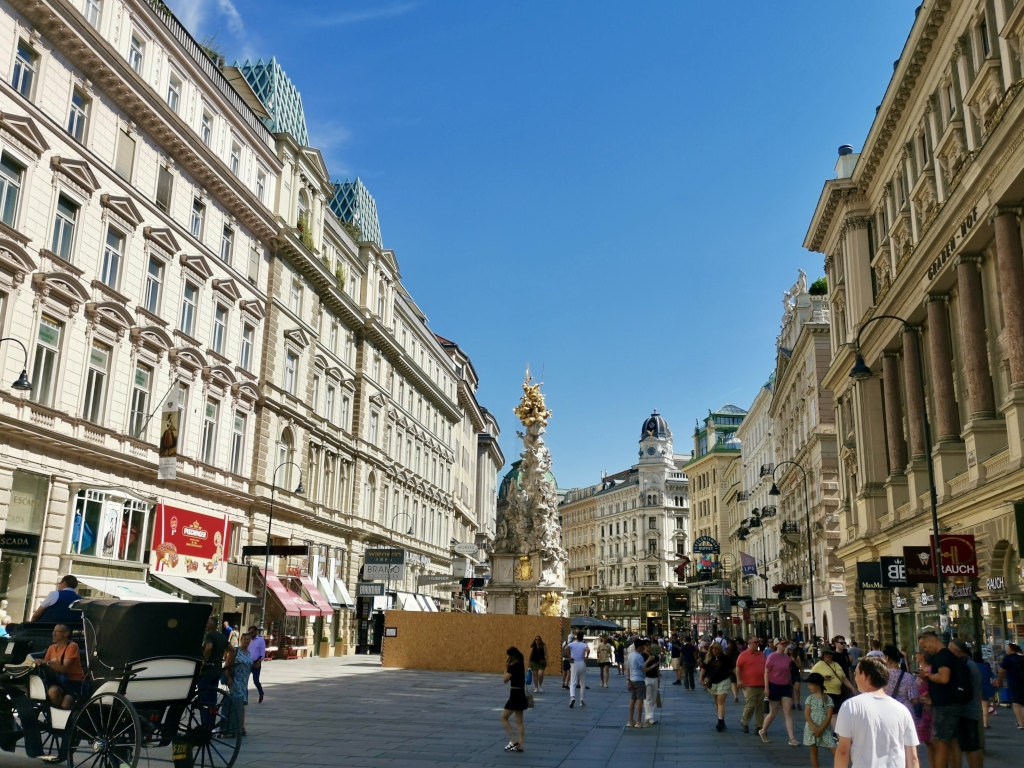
{"type": "Point", "coordinates": [655, 426]}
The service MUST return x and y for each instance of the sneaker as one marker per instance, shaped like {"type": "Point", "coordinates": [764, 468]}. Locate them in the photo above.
{"type": "Point", "coordinates": [572, 703]}
{"type": "Point", "coordinates": [794, 743]}
{"type": "Point", "coordinates": [764, 737]}
{"type": "Point", "coordinates": [631, 724]}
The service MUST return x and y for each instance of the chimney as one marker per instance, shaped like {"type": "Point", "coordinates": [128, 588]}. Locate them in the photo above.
{"type": "Point", "coordinates": [847, 162]}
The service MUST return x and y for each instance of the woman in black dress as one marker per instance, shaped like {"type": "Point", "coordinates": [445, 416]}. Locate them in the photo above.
{"type": "Point", "coordinates": [515, 675]}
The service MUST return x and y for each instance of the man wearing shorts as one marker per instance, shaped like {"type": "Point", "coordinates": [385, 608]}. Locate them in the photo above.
{"type": "Point", "coordinates": [604, 659]}
{"type": "Point", "coordinates": [968, 737]}
{"type": "Point", "coordinates": [945, 712]}
{"type": "Point", "coordinates": [635, 684]}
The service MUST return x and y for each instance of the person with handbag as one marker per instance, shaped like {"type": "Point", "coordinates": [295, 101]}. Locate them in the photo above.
{"type": "Point", "coordinates": [518, 701]}
{"type": "Point", "coordinates": [714, 675]}
{"type": "Point", "coordinates": [63, 665]}
{"type": "Point", "coordinates": [652, 681]}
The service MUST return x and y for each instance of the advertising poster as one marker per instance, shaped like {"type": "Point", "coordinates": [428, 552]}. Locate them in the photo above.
{"type": "Point", "coordinates": [170, 416]}
{"type": "Point", "coordinates": [189, 543]}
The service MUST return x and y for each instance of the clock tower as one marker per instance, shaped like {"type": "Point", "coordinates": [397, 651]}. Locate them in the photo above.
{"type": "Point", "coordinates": [655, 461]}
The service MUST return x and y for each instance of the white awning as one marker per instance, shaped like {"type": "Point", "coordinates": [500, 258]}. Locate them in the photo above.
{"type": "Point", "coordinates": [408, 602]}
{"type": "Point", "coordinates": [422, 600]}
{"type": "Point", "coordinates": [432, 604]}
{"type": "Point", "coordinates": [325, 589]}
{"type": "Point", "coordinates": [230, 590]}
{"type": "Point", "coordinates": [187, 586]}
{"type": "Point", "coordinates": [341, 592]}
{"type": "Point", "coordinates": [127, 589]}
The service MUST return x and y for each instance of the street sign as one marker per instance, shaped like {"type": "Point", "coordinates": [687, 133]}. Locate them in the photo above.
{"type": "Point", "coordinates": [369, 590]}
{"type": "Point", "coordinates": [384, 564]}
{"type": "Point", "coordinates": [465, 549]}
{"type": "Point", "coordinates": [706, 545]}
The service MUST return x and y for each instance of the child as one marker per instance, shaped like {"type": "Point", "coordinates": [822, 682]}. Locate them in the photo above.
{"type": "Point", "coordinates": [818, 714]}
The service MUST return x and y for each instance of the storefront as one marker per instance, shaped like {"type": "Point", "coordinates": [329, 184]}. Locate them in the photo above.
{"type": "Point", "coordinates": [20, 544]}
{"type": "Point", "coordinates": [1002, 599]}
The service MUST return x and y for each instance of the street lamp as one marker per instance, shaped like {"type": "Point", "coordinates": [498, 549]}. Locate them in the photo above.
{"type": "Point", "coordinates": [21, 383]}
{"type": "Point", "coordinates": [810, 552]}
{"type": "Point", "coordinates": [861, 372]}
{"type": "Point", "coordinates": [300, 489]}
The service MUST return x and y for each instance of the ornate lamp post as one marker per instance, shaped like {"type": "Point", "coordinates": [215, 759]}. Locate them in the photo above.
{"type": "Point", "coordinates": [860, 372]}
{"type": "Point", "coordinates": [810, 551]}
{"type": "Point", "coordinates": [300, 489]}
{"type": "Point", "coordinates": [21, 383]}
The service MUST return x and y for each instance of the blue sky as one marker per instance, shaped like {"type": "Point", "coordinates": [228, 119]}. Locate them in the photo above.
{"type": "Point", "coordinates": [615, 194]}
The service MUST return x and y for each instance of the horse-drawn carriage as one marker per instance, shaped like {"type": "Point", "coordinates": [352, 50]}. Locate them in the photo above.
{"type": "Point", "coordinates": [145, 687]}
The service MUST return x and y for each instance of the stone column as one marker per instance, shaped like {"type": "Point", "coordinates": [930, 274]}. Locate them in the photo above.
{"type": "Point", "coordinates": [1011, 286]}
{"type": "Point", "coordinates": [895, 440]}
{"type": "Point", "coordinates": [914, 392]}
{"type": "Point", "coordinates": [972, 338]}
{"type": "Point", "coordinates": [946, 417]}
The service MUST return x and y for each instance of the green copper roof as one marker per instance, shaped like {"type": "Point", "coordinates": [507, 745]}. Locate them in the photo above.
{"type": "Point", "coordinates": [513, 475]}
{"type": "Point", "coordinates": [353, 203]}
{"type": "Point", "coordinates": [279, 95]}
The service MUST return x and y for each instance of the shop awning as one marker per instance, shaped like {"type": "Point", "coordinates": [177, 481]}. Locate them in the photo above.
{"type": "Point", "coordinates": [226, 588]}
{"type": "Point", "coordinates": [341, 592]}
{"type": "Point", "coordinates": [127, 589]}
{"type": "Point", "coordinates": [186, 586]}
{"type": "Point", "coordinates": [293, 604]}
{"type": "Point", "coordinates": [408, 602]}
{"type": "Point", "coordinates": [325, 589]}
{"type": "Point", "coordinates": [432, 603]}
{"type": "Point", "coordinates": [422, 600]}
{"type": "Point", "coordinates": [318, 599]}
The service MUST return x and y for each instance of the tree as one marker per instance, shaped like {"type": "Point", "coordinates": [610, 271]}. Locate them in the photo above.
{"type": "Point", "coordinates": [819, 287]}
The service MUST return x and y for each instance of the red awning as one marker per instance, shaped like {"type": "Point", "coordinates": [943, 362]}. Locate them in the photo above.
{"type": "Point", "coordinates": [293, 604]}
{"type": "Point", "coordinates": [316, 596]}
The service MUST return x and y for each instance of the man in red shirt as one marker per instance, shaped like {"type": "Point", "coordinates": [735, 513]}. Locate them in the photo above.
{"type": "Point", "coordinates": [750, 672]}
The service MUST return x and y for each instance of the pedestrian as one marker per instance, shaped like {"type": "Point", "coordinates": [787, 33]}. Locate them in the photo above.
{"type": "Point", "coordinates": [818, 718]}
{"type": "Point", "coordinates": [238, 667]}
{"type": "Point", "coordinates": [652, 680]}
{"type": "Point", "coordinates": [732, 650]}
{"type": "Point", "coordinates": [902, 685]}
{"type": "Point", "coordinates": [604, 660]}
{"type": "Point", "coordinates": [842, 656]}
{"type": "Point", "coordinates": [538, 663]}
{"type": "Point", "coordinates": [778, 680]}
{"type": "Point", "coordinates": [714, 675]}
{"type": "Point", "coordinates": [795, 673]}
{"type": "Point", "coordinates": [676, 659]}
{"type": "Point", "coordinates": [968, 734]}
{"type": "Point", "coordinates": [620, 655]}
{"type": "Point", "coordinates": [688, 661]}
{"type": "Point", "coordinates": [945, 711]}
{"type": "Point", "coordinates": [750, 666]}
{"type": "Point", "coordinates": [855, 654]}
{"type": "Point", "coordinates": [876, 649]}
{"type": "Point", "coordinates": [214, 644]}
{"type": "Point", "coordinates": [989, 699]}
{"type": "Point", "coordinates": [579, 652]}
{"type": "Point", "coordinates": [258, 651]}
{"type": "Point", "coordinates": [233, 636]}
{"type": "Point", "coordinates": [874, 729]}
{"type": "Point", "coordinates": [1011, 669]}
{"type": "Point", "coordinates": [227, 629]}
{"type": "Point", "coordinates": [923, 710]}
{"type": "Point", "coordinates": [635, 684]}
{"type": "Point", "coordinates": [515, 676]}
{"type": "Point", "coordinates": [837, 684]}
{"type": "Point", "coordinates": [566, 663]}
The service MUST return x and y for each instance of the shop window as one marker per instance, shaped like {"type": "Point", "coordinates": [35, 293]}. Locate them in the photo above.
{"type": "Point", "coordinates": [109, 525]}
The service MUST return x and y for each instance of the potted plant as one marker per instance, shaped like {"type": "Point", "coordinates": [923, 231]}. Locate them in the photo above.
{"type": "Point", "coordinates": [325, 646]}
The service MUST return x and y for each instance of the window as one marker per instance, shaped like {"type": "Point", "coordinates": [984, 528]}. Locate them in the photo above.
{"type": "Point", "coordinates": [64, 228]}
{"type": "Point", "coordinates": [261, 184]}
{"type": "Point", "coordinates": [11, 175]}
{"type": "Point", "coordinates": [220, 328]}
{"type": "Point", "coordinates": [96, 382]}
{"type": "Point", "coordinates": [248, 334]}
{"type": "Point", "coordinates": [174, 92]}
{"type": "Point", "coordinates": [78, 115]}
{"type": "Point", "coordinates": [154, 285]}
{"type": "Point", "coordinates": [182, 414]}
{"type": "Point", "coordinates": [237, 443]}
{"type": "Point", "coordinates": [254, 265]}
{"type": "Point", "coordinates": [113, 253]}
{"type": "Point", "coordinates": [140, 400]}
{"type": "Point", "coordinates": [111, 525]}
{"type": "Point", "coordinates": [188, 309]}
{"type": "Point", "coordinates": [295, 297]}
{"type": "Point", "coordinates": [25, 66]}
{"type": "Point", "coordinates": [227, 244]}
{"type": "Point", "coordinates": [195, 224]}
{"type": "Point", "coordinates": [343, 423]}
{"type": "Point", "coordinates": [373, 428]}
{"type": "Point", "coordinates": [136, 52]}
{"type": "Point", "coordinates": [291, 364]}
{"type": "Point", "coordinates": [164, 188]}
{"type": "Point", "coordinates": [92, 12]}
{"type": "Point", "coordinates": [334, 337]}
{"type": "Point", "coordinates": [315, 400]}
{"type": "Point", "coordinates": [125, 158]}
{"type": "Point", "coordinates": [329, 404]}
{"type": "Point", "coordinates": [45, 364]}
{"type": "Point", "coordinates": [206, 128]}
{"type": "Point", "coordinates": [235, 160]}
{"type": "Point", "coordinates": [208, 447]}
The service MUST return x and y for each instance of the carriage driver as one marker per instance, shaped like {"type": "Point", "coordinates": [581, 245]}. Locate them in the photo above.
{"type": "Point", "coordinates": [63, 660]}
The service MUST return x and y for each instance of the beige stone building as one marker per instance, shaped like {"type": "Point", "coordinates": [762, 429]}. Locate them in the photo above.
{"type": "Point", "coordinates": [923, 225]}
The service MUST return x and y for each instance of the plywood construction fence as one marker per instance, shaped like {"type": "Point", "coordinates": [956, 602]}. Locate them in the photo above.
{"type": "Point", "coordinates": [467, 642]}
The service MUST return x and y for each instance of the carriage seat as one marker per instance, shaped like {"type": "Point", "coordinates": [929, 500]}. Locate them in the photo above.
{"type": "Point", "coordinates": [153, 680]}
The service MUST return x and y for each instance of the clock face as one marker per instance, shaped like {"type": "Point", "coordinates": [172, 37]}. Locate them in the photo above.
{"type": "Point", "coordinates": [650, 451]}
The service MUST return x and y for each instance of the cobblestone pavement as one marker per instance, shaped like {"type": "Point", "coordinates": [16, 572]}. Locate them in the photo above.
{"type": "Point", "coordinates": [351, 712]}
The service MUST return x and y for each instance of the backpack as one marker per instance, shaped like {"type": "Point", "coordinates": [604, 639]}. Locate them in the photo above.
{"type": "Point", "coordinates": [960, 679]}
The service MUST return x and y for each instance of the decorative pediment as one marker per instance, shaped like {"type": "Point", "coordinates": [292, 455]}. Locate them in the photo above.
{"type": "Point", "coordinates": [255, 308]}
{"type": "Point", "coordinates": [15, 262]}
{"type": "Point", "coordinates": [123, 208]}
{"type": "Point", "coordinates": [77, 172]}
{"type": "Point", "coordinates": [219, 374]}
{"type": "Point", "coordinates": [62, 287]}
{"type": "Point", "coordinates": [190, 359]}
{"type": "Point", "coordinates": [197, 264]}
{"type": "Point", "coordinates": [378, 400]}
{"type": "Point", "coordinates": [153, 338]}
{"type": "Point", "coordinates": [110, 315]}
{"type": "Point", "coordinates": [298, 336]}
{"type": "Point", "coordinates": [24, 132]}
{"type": "Point", "coordinates": [245, 391]}
{"type": "Point", "coordinates": [227, 288]}
{"type": "Point", "coordinates": [162, 238]}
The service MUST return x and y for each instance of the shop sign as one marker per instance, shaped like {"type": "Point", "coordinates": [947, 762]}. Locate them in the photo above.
{"type": "Point", "coordinates": [926, 599]}
{"type": "Point", "coordinates": [190, 543]}
{"type": "Point", "coordinates": [898, 601]}
{"type": "Point", "coordinates": [954, 241]}
{"type": "Point", "coordinates": [957, 554]}
{"type": "Point", "coordinates": [384, 564]}
{"type": "Point", "coordinates": [706, 545]}
{"type": "Point", "coordinates": [920, 565]}
{"type": "Point", "coordinates": [894, 571]}
{"type": "Point", "coordinates": [28, 502]}
{"type": "Point", "coordinates": [962, 590]}
{"type": "Point", "coordinates": [369, 590]}
{"type": "Point", "coordinates": [996, 584]}
{"type": "Point", "coordinates": [23, 542]}
{"type": "Point", "coordinates": [869, 576]}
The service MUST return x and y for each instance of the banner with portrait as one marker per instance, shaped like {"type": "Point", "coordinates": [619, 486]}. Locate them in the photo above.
{"type": "Point", "coordinates": [170, 422]}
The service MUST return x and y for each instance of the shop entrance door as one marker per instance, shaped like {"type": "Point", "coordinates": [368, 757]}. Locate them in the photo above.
{"type": "Point", "coordinates": [16, 574]}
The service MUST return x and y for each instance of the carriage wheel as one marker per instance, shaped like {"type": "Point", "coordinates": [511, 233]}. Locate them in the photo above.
{"type": "Point", "coordinates": [104, 733]}
{"type": "Point", "coordinates": [212, 729]}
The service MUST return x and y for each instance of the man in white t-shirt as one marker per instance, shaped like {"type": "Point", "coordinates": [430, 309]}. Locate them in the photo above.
{"type": "Point", "coordinates": [874, 729]}
{"type": "Point", "coordinates": [579, 651]}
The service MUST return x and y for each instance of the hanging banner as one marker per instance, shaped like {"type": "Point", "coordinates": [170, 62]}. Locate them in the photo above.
{"type": "Point", "coordinates": [749, 564]}
{"type": "Point", "coordinates": [170, 416]}
{"type": "Point", "coordinates": [190, 543]}
{"type": "Point", "coordinates": [920, 565]}
{"type": "Point", "coordinates": [869, 576]}
{"type": "Point", "coordinates": [958, 554]}
{"type": "Point", "coordinates": [706, 545]}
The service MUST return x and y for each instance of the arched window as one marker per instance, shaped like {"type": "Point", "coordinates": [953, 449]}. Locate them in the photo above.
{"type": "Point", "coordinates": [285, 454]}
{"type": "Point", "coordinates": [303, 213]}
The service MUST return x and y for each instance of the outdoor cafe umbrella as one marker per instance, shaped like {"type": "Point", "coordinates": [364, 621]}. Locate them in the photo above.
{"type": "Point", "coordinates": [589, 622]}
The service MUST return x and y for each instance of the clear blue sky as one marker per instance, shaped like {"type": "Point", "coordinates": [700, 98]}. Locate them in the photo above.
{"type": "Point", "coordinates": [615, 193]}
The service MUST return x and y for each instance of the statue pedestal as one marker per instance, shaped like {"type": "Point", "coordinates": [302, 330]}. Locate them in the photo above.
{"type": "Point", "coordinates": [515, 587]}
